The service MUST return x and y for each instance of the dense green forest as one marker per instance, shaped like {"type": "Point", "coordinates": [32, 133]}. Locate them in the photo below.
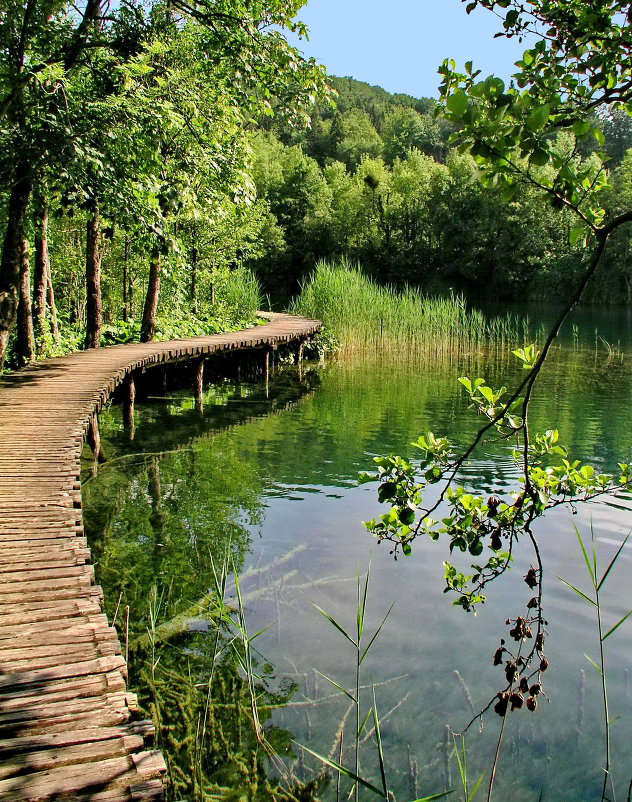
{"type": "Point", "coordinates": [160, 167]}
{"type": "Point", "coordinates": [375, 179]}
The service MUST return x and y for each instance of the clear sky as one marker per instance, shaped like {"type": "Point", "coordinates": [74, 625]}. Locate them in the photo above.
{"type": "Point", "coordinates": [398, 44]}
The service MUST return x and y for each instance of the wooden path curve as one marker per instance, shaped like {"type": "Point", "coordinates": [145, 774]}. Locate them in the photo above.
{"type": "Point", "coordinates": [67, 728]}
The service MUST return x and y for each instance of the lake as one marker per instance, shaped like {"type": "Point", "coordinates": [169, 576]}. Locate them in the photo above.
{"type": "Point", "coordinates": [272, 482]}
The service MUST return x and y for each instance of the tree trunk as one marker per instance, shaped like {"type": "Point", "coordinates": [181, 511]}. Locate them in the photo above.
{"type": "Point", "coordinates": [194, 260]}
{"type": "Point", "coordinates": [125, 261]}
{"type": "Point", "coordinates": [40, 275]}
{"type": "Point", "coordinates": [94, 310]}
{"type": "Point", "coordinates": [151, 300]}
{"type": "Point", "coordinates": [12, 256]}
{"type": "Point", "coordinates": [26, 341]}
{"type": "Point", "coordinates": [50, 297]}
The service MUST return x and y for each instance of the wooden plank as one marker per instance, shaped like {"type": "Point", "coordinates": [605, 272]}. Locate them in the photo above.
{"type": "Point", "coordinates": [72, 737]}
{"type": "Point", "coordinates": [100, 665]}
{"type": "Point", "coordinates": [54, 758]}
{"type": "Point", "coordinates": [62, 680]}
{"type": "Point", "coordinates": [115, 772]}
{"type": "Point", "coordinates": [92, 685]}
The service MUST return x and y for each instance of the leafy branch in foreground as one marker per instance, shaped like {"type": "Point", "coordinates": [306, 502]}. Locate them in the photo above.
{"type": "Point", "coordinates": [488, 529]}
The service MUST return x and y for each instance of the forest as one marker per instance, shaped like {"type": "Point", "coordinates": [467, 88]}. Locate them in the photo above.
{"type": "Point", "coordinates": [167, 171]}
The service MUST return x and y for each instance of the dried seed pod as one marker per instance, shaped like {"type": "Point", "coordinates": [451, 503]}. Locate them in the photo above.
{"type": "Point", "coordinates": [498, 656]}
{"type": "Point", "coordinates": [544, 663]}
{"type": "Point", "coordinates": [532, 603]}
{"type": "Point", "coordinates": [539, 641]}
{"type": "Point", "coordinates": [531, 704]}
{"type": "Point", "coordinates": [492, 505]}
{"type": "Point", "coordinates": [535, 689]}
{"type": "Point", "coordinates": [501, 705]}
{"type": "Point", "coordinates": [516, 700]}
{"type": "Point", "coordinates": [524, 685]}
{"type": "Point", "coordinates": [518, 632]}
{"type": "Point", "coordinates": [531, 578]}
{"type": "Point", "coordinates": [511, 671]}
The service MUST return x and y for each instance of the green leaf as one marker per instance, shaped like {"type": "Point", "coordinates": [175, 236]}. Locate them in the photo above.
{"type": "Point", "coordinates": [617, 625]}
{"type": "Point", "coordinates": [363, 724]}
{"type": "Point", "coordinates": [577, 591]}
{"type": "Point", "coordinates": [347, 773]}
{"type": "Point", "coordinates": [335, 623]}
{"type": "Point", "coordinates": [375, 634]}
{"type": "Point", "coordinates": [335, 684]}
{"type": "Point", "coordinates": [539, 157]}
{"type": "Point", "coordinates": [592, 663]}
{"type": "Point", "coordinates": [378, 738]}
{"type": "Point", "coordinates": [457, 103]}
{"type": "Point", "coordinates": [612, 562]}
{"type": "Point", "coordinates": [539, 117]}
{"type": "Point", "coordinates": [599, 137]}
{"type": "Point", "coordinates": [586, 560]}
{"type": "Point", "coordinates": [575, 235]}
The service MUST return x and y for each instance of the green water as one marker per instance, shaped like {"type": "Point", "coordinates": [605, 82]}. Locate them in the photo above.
{"type": "Point", "coordinates": [273, 482]}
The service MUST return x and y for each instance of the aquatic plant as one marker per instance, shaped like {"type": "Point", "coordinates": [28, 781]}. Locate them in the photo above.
{"type": "Point", "coordinates": [366, 316]}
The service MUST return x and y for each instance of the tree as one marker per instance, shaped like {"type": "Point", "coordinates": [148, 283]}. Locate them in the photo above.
{"type": "Point", "coordinates": [44, 44]}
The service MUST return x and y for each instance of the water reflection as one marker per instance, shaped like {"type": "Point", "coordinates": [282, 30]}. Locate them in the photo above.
{"type": "Point", "coordinates": [280, 493]}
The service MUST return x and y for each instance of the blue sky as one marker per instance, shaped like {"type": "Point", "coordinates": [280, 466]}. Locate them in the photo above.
{"type": "Point", "coordinates": [399, 44]}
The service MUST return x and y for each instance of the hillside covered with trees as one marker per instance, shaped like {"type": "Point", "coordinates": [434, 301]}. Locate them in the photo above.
{"type": "Point", "coordinates": [375, 179]}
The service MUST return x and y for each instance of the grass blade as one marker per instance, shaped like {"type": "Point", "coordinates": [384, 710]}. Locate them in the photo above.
{"type": "Point", "coordinates": [378, 738]}
{"type": "Point", "coordinates": [616, 626]}
{"type": "Point", "coordinates": [366, 718]}
{"type": "Point", "coordinates": [433, 796]}
{"type": "Point", "coordinates": [347, 772]}
{"type": "Point", "coordinates": [593, 664]}
{"type": "Point", "coordinates": [480, 780]}
{"type": "Point", "coordinates": [377, 632]}
{"type": "Point", "coordinates": [362, 605]}
{"type": "Point", "coordinates": [577, 591]}
{"type": "Point", "coordinates": [612, 562]}
{"type": "Point", "coordinates": [586, 560]}
{"type": "Point", "coordinates": [335, 623]}
{"type": "Point", "coordinates": [335, 684]}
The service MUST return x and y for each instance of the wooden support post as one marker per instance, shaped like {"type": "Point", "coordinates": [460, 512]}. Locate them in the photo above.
{"type": "Point", "coordinates": [266, 371]}
{"type": "Point", "coordinates": [199, 385]}
{"type": "Point", "coordinates": [93, 439]}
{"type": "Point", "coordinates": [299, 357]}
{"type": "Point", "coordinates": [164, 382]}
{"type": "Point", "coordinates": [128, 405]}
{"type": "Point", "coordinates": [299, 351]}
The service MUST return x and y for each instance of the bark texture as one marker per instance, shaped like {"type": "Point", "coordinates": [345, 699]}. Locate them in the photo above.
{"type": "Point", "coordinates": [151, 300]}
{"type": "Point", "coordinates": [12, 256]}
{"type": "Point", "coordinates": [41, 268]}
{"type": "Point", "coordinates": [25, 345]}
{"type": "Point", "coordinates": [94, 309]}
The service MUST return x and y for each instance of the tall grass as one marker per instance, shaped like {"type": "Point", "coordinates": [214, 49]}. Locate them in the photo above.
{"type": "Point", "coordinates": [365, 316]}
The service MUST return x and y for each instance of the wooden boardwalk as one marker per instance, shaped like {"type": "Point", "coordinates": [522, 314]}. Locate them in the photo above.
{"type": "Point", "coordinates": [67, 728]}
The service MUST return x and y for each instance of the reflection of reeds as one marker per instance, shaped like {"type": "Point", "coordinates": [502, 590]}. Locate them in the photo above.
{"type": "Point", "coordinates": [466, 692]}
{"type": "Point", "coordinates": [366, 316]}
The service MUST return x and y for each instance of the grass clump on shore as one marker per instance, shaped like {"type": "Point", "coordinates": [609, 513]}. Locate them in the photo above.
{"type": "Point", "coordinates": [365, 316]}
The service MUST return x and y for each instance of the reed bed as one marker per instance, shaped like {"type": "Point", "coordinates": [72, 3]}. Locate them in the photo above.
{"type": "Point", "coordinates": [366, 316]}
